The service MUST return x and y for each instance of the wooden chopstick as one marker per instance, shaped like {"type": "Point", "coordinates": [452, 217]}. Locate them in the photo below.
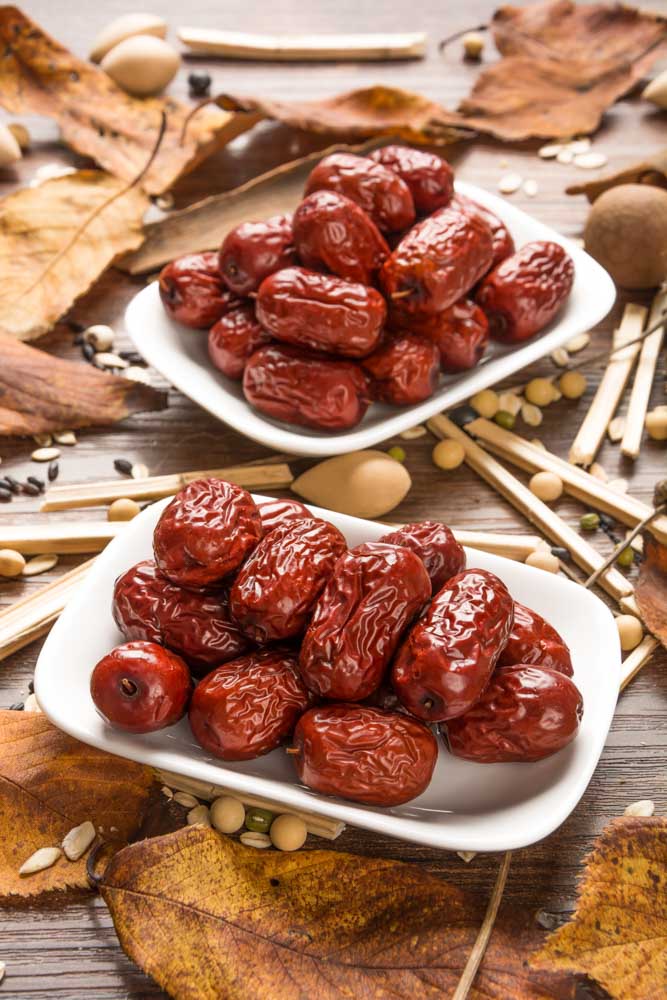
{"type": "Point", "coordinates": [63, 538]}
{"type": "Point", "coordinates": [273, 476]}
{"type": "Point", "coordinates": [34, 615]}
{"type": "Point", "coordinates": [321, 826]}
{"type": "Point", "coordinates": [528, 504]}
{"type": "Point", "coordinates": [641, 387]}
{"type": "Point", "coordinates": [576, 481]}
{"type": "Point", "coordinates": [591, 433]}
{"type": "Point", "coordinates": [304, 48]}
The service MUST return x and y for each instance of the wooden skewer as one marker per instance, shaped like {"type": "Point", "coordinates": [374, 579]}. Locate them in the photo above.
{"type": "Point", "coordinates": [321, 826]}
{"type": "Point", "coordinates": [528, 504]}
{"type": "Point", "coordinates": [304, 48]}
{"type": "Point", "coordinates": [64, 538]}
{"type": "Point", "coordinates": [576, 481]}
{"type": "Point", "coordinates": [638, 658]}
{"type": "Point", "coordinates": [275, 476]}
{"type": "Point", "coordinates": [591, 433]}
{"type": "Point", "coordinates": [641, 387]}
{"type": "Point", "coordinates": [34, 615]}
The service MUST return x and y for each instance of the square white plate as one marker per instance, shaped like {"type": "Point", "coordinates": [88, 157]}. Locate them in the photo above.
{"type": "Point", "coordinates": [477, 807]}
{"type": "Point", "coordinates": [181, 355]}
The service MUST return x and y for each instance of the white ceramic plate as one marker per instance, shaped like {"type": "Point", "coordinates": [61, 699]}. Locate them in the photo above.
{"type": "Point", "coordinates": [477, 807]}
{"type": "Point", "coordinates": [181, 356]}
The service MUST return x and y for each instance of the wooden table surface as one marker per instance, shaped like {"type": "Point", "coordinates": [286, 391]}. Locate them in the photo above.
{"type": "Point", "coordinates": [67, 947]}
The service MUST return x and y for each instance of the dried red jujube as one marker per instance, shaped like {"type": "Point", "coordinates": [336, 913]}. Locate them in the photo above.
{"type": "Point", "coordinates": [404, 369]}
{"type": "Point", "coordinates": [234, 338]}
{"type": "Point", "coordinates": [429, 177]}
{"type": "Point", "coordinates": [533, 640]}
{"type": "Point", "coordinates": [253, 250]}
{"type": "Point", "coordinates": [193, 292]}
{"type": "Point", "coordinates": [460, 332]}
{"type": "Point", "coordinates": [380, 192]}
{"type": "Point", "coordinates": [276, 512]}
{"type": "Point", "coordinates": [332, 232]}
{"type": "Point", "coordinates": [503, 244]}
{"type": "Point", "coordinates": [435, 545]}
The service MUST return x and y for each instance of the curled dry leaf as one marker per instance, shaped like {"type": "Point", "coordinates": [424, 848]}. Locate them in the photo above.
{"type": "Point", "coordinates": [651, 171]}
{"type": "Point", "coordinates": [651, 587]}
{"type": "Point", "coordinates": [42, 393]}
{"type": "Point", "coordinates": [49, 256]}
{"type": "Point", "coordinates": [50, 783]}
{"type": "Point", "coordinates": [618, 935]}
{"type": "Point", "coordinates": [208, 918]}
{"type": "Point", "coordinates": [39, 76]}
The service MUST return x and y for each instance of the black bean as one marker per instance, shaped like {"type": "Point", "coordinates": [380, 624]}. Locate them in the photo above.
{"type": "Point", "coordinates": [463, 415]}
{"type": "Point", "coordinates": [31, 687]}
{"type": "Point", "coordinates": [75, 326]}
{"type": "Point", "coordinates": [30, 490]}
{"type": "Point", "coordinates": [561, 553]}
{"type": "Point", "coordinates": [53, 471]}
{"type": "Point", "coordinates": [16, 707]}
{"type": "Point", "coordinates": [11, 484]}
{"type": "Point", "coordinates": [5, 495]}
{"type": "Point", "coordinates": [199, 83]}
{"type": "Point", "coordinates": [132, 356]}
{"type": "Point", "coordinates": [88, 351]}
{"type": "Point", "coordinates": [123, 465]}
{"type": "Point", "coordinates": [35, 481]}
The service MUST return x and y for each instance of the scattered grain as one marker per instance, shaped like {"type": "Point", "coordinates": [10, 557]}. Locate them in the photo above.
{"type": "Point", "coordinates": [546, 486]}
{"type": "Point", "coordinates": [509, 183]}
{"type": "Point", "coordinates": [78, 840]}
{"type": "Point", "coordinates": [107, 359]}
{"type": "Point", "coordinates": [11, 563]}
{"type": "Point", "coordinates": [186, 800]}
{"type": "Point", "coordinates": [560, 357]}
{"type": "Point", "coordinates": [467, 856]}
{"type": "Point", "coordinates": [532, 415]}
{"type": "Point", "coordinates": [167, 792]}
{"type": "Point", "coordinates": [397, 453]}
{"type": "Point", "coordinates": [41, 859]}
{"type": "Point", "coordinates": [199, 815]}
{"type": "Point", "coordinates": [258, 840]}
{"type": "Point", "coordinates": [65, 437]}
{"type": "Point", "coordinates": [473, 45]}
{"type": "Point", "coordinates": [656, 423]}
{"type": "Point", "coordinates": [550, 151]}
{"type": "Point", "coordinates": [565, 155]}
{"type": "Point", "coordinates": [572, 385]}
{"type": "Point", "coordinates": [578, 343]}
{"type": "Point", "coordinates": [540, 391]}
{"type": "Point", "coordinates": [616, 429]}
{"type": "Point", "coordinates": [288, 832]}
{"type": "Point", "coordinates": [123, 509]}
{"type": "Point", "coordinates": [40, 564]}
{"type": "Point", "coordinates": [530, 188]}
{"type": "Point", "coordinates": [43, 440]}
{"type": "Point", "coordinates": [510, 402]}
{"type": "Point", "coordinates": [485, 403]}
{"type": "Point", "coordinates": [590, 161]}
{"type": "Point", "coordinates": [448, 454]}
{"type": "Point", "coordinates": [413, 432]}
{"type": "Point", "coordinates": [31, 704]}
{"type": "Point", "coordinates": [630, 632]}
{"type": "Point", "coordinates": [45, 454]}
{"type": "Point", "coordinates": [100, 337]}
{"type": "Point", "coordinates": [644, 807]}
{"type": "Point", "coordinates": [227, 814]}
{"type": "Point", "coordinates": [541, 559]}
{"type": "Point", "coordinates": [139, 471]}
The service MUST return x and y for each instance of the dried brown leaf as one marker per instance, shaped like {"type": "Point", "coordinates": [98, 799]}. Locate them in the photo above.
{"type": "Point", "coordinates": [209, 918]}
{"type": "Point", "coordinates": [50, 256]}
{"type": "Point", "coordinates": [618, 935]}
{"type": "Point", "coordinates": [39, 76]}
{"type": "Point", "coordinates": [41, 393]}
{"type": "Point", "coordinates": [50, 783]}
{"type": "Point", "coordinates": [651, 587]}
{"type": "Point", "coordinates": [650, 171]}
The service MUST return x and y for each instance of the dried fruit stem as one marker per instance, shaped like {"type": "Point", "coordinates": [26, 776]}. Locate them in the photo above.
{"type": "Point", "coordinates": [484, 934]}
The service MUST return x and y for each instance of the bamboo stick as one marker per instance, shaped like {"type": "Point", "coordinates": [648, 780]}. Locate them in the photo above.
{"type": "Point", "coordinates": [34, 615]}
{"type": "Point", "coordinates": [64, 538]}
{"type": "Point", "coordinates": [273, 476]}
{"type": "Point", "coordinates": [637, 659]}
{"type": "Point", "coordinates": [528, 504]}
{"type": "Point", "coordinates": [589, 438]}
{"type": "Point", "coordinates": [320, 826]}
{"type": "Point", "coordinates": [576, 481]}
{"type": "Point", "coordinates": [641, 387]}
{"type": "Point", "coordinates": [304, 48]}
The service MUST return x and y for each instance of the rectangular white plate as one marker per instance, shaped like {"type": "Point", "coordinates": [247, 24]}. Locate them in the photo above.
{"type": "Point", "coordinates": [181, 355]}
{"type": "Point", "coordinates": [477, 807]}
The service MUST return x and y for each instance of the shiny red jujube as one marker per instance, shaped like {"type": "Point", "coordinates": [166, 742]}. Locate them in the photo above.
{"type": "Point", "coordinates": [253, 250]}
{"type": "Point", "coordinates": [533, 640]}
{"type": "Point", "coordinates": [404, 370]}
{"type": "Point", "coordinates": [382, 194]}
{"type": "Point", "coordinates": [234, 338]}
{"type": "Point", "coordinates": [429, 177]}
{"type": "Point", "coordinates": [461, 334]}
{"type": "Point", "coordinates": [332, 232]}
{"type": "Point", "coordinates": [193, 292]}
{"type": "Point", "coordinates": [435, 545]}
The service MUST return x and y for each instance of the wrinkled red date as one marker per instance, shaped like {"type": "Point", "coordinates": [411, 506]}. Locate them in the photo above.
{"type": "Point", "coordinates": [435, 545]}
{"type": "Point", "coordinates": [446, 660]}
{"type": "Point", "coordinates": [373, 593]}
{"type": "Point", "coordinates": [404, 369]}
{"type": "Point", "coordinates": [234, 338]}
{"type": "Point", "coordinates": [438, 261]}
{"type": "Point", "coordinates": [429, 177]}
{"type": "Point", "coordinates": [197, 626]}
{"type": "Point", "coordinates": [254, 250]}
{"type": "Point", "coordinates": [276, 512]}
{"type": "Point", "coordinates": [205, 533]}
{"type": "Point", "coordinates": [192, 291]}
{"type": "Point", "coordinates": [526, 713]}
{"type": "Point", "coordinates": [533, 640]}
{"type": "Point", "coordinates": [364, 754]}
{"type": "Point", "coordinates": [304, 388]}
{"type": "Point", "coordinates": [249, 706]}
{"type": "Point", "coordinates": [321, 312]}
{"type": "Point", "coordinates": [379, 191]}
{"type": "Point", "coordinates": [525, 291]}
{"type": "Point", "coordinates": [332, 232]}
{"type": "Point", "coordinates": [503, 244]}
{"type": "Point", "coordinates": [461, 334]}
{"type": "Point", "coordinates": [276, 588]}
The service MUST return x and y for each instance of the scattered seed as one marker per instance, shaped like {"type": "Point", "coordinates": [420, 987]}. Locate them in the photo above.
{"type": "Point", "coordinates": [530, 188]}
{"type": "Point", "coordinates": [36, 481]}
{"type": "Point", "coordinates": [578, 146]}
{"type": "Point", "coordinates": [510, 402]}
{"type": "Point", "coordinates": [43, 440]}
{"type": "Point", "coordinates": [16, 707]}
{"type": "Point", "coordinates": [258, 820]}
{"type": "Point", "coordinates": [136, 374]}
{"type": "Point", "coordinates": [598, 472]}
{"type": "Point", "coordinates": [467, 856]}
{"type": "Point", "coordinates": [413, 432]}
{"type": "Point", "coordinates": [123, 465]}
{"type": "Point", "coordinates": [288, 832]}
{"type": "Point", "coordinates": [532, 415]}
{"type": "Point", "coordinates": [616, 429]}
{"type": "Point", "coordinates": [473, 45]}
{"type": "Point", "coordinates": [41, 859]}
{"type": "Point", "coordinates": [133, 357]}
{"type": "Point", "coordinates": [505, 419]}
{"type": "Point", "coordinates": [543, 559]}
{"type": "Point", "coordinates": [397, 453]}
{"type": "Point", "coordinates": [618, 485]}
{"type": "Point", "coordinates": [45, 454]}
{"type": "Point", "coordinates": [485, 403]}
{"type": "Point", "coordinates": [78, 840]}
{"type": "Point", "coordinates": [546, 486]}
{"type": "Point", "coordinates": [100, 337]}
{"type": "Point", "coordinates": [31, 687]}
{"type": "Point", "coordinates": [199, 83]}
{"type": "Point", "coordinates": [40, 564]}
{"type": "Point", "coordinates": [590, 521]}
{"type": "Point", "coordinates": [167, 792]}
{"type": "Point", "coordinates": [463, 415]}
{"type": "Point", "coordinates": [107, 359]}
{"type": "Point", "coordinates": [5, 495]}
{"type": "Point", "coordinates": [448, 454]}
{"type": "Point", "coordinates": [227, 814]}
{"type": "Point", "coordinates": [637, 543]}
{"type": "Point", "coordinates": [560, 552]}
{"type": "Point", "coordinates": [11, 563]}
{"type": "Point", "coordinates": [509, 183]}
{"type": "Point", "coordinates": [550, 151]}
{"type": "Point", "coordinates": [53, 471]}
{"type": "Point", "coordinates": [644, 807]}
{"type": "Point", "coordinates": [30, 490]}
{"type": "Point", "coordinates": [11, 483]}
{"type": "Point", "coordinates": [547, 921]}
{"type": "Point", "coordinates": [199, 814]}
{"type": "Point", "coordinates": [590, 161]}
{"type": "Point", "coordinates": [186, 800]}
{"type": "Point", "coordinates": [31, 704]}
{"type": "Point", "coordinates": [630, 632]}
{"type": "Point", "coordinates": [165, 202]}
{"type": "Point", "coordinates": [540, 391]}
{"type": "Point", "coordinates": [560, 357]}
{"type": "Point", "coordinates": [139, 471]}
{"type": "Point", "coordinates": [258, 840]}
{"type": "Point", "coordinates": [65, 437]}
{"type": "Point", "coordinates": [565, 155]}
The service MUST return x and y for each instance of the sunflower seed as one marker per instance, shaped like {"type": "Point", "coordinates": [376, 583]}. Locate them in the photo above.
{"type": "Point", "coordinates": [18, 706]}
{"type": "Point", "coordinates": [185, 799]}
{"type": "Point", "coordinates": [40, 564]}
{"type": "Point", "coordinates": [258, 840]}
{"type": "Point", "coordinates": [199, 814]}
{"type": "Point", "coordinates": [137, 374]}
{"type": "Point", "coordinates": [139, 471]}
{"type": "Point", "coordinates": [467, 856]}
{"type": "Point", "coordinates": [11, 483]}
{"type": "Point", "coordinates": [65, 437]}
{"type": "Point", "coordinates": [578, 146]}
{"type": "Point", "coordinates": [88, 351]}
{"type": "Point", "coordinates": [41, 859]}
{"type": "Point", "coordinates": [5, 495]}
{"type": "Point", "coordinates": [530, 188]}
{"type": "Point", "coordinates": [123, 465]}
{"type": "Point", "coordinates": [560, 357]}
{"type": "Point", "coordinates": [30, 490]}
{"type": "Point", "coordinates": [43, 440]}
{"type": "Point", "coordinates": [100, 337]}
{"type": "Point", "coordinates": [107, 359]}
{"type": "Point", "coordinates": [509, 183]}
{"type": "Point", "coordinates": [35, 481]}
{"type": "Point", "coordinates": [32, 705]}
{"type": "Point", "coordinates": [565, 155]}
{"type": "Point", "coordinates": [578, 343]}
{"type": "Point", "coordinates": [590, 161]}
{"type": "Point", "coordinates": [413, 432]}
{"type": "Point", "coordinates": [53, 471]}
{"type": "Point", "coordinates": [644, 807]}
{"type": "Point", "coordinates": [45, 454]}
{"type": "Point", "coordinates": [78, 840]}
{"type": "Point", "coordinates": [550, 151]}
{"type": "Point", "coordinates": [531, 415]}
